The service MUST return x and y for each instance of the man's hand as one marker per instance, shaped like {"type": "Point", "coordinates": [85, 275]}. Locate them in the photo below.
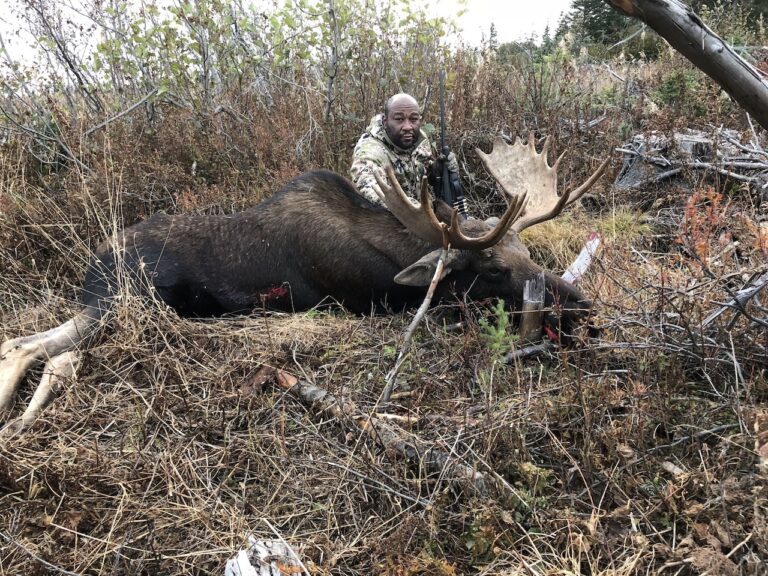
{"type": "Point", "coordinates": [453, 163]}
{"type": "Point", "coordinates": [435, 174]}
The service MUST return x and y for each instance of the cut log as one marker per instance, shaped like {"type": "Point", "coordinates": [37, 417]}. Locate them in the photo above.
{"type": "Point", "coordinates": [533, 309]}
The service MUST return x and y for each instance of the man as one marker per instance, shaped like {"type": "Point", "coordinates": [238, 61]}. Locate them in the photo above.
{"type": "Point", "coordinates": [394, 138]}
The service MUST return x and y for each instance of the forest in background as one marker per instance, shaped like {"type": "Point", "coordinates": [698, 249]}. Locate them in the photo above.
{"type": "Point", "coordinates": [637, 451]}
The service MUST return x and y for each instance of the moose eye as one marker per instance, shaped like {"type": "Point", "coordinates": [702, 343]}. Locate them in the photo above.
{"type": "Point", "coordinates": [494, 272]}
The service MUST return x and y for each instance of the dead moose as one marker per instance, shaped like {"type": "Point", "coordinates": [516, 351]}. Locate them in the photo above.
{"type": "Point", "coordinates": [315, 240]}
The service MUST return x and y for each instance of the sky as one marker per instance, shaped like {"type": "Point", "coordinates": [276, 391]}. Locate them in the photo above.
{"type": "Point", "coordinates": [514, 19]}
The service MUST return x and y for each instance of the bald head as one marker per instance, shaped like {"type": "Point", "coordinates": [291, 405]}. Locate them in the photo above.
{"type": "Point", "coordinates": [402, 120]}
{"type": "Point", "coordinates": [400, 99]}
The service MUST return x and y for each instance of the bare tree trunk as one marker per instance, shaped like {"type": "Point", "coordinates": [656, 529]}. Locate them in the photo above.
{"type": "Point", "coordinates": [679, 25]}
{"type": "Point", "coordinates": [333, 66]}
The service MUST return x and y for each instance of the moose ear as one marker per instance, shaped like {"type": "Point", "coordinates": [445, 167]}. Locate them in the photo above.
{"type": "Point", "coordinates": [420, 273]}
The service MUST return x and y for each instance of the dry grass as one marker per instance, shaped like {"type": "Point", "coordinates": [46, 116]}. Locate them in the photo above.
{"type": "Point", "coordinates": [168, 449]}
{"type": "Point", "coordinates": [632, 452]}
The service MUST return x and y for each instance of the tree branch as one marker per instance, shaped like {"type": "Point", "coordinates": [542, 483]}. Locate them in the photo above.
{"type": "Point", "coordinates": [679, 25]}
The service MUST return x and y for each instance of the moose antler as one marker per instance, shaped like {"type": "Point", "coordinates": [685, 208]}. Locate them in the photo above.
{"type": "Point", "coordinates": [520, 168]}
{"type": "Point", "coordinates": [422, 221]}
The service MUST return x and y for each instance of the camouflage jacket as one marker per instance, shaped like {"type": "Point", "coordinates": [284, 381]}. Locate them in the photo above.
{"type": "Point", "coordinates": [374, 151]}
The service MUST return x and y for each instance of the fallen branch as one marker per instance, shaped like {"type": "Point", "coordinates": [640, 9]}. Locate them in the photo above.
{"type": "Point", "coordinates": [646, 158]}
{"type": "Point", "coordinates": [689, 35]}
{"type": "Point", "coordinates": [390, 437]}
{"type": "Point", "coordinates": [529, 351]}
{"type": "Point", "coordinates": [740, 299]}
{"type": "Point", "coordinates": [51, 567]}
{"type": "Point", "coordinates": [697, 436]}
{"type": "Point", "coordinates": [122, 113]}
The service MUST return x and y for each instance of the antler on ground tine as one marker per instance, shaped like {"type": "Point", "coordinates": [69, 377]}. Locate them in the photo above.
{"type": "Point", "coordinates": [519, 168]}
{"type": "Point", "coordinates": [579, 192]}
{"type": "Point", "coordinates": [422, 221]}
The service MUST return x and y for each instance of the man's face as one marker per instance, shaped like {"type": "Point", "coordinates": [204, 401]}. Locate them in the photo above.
{"type": "Point", "coordinates": [403, 123]}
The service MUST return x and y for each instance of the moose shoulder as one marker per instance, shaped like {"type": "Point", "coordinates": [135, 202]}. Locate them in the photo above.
{"type": "Point", "coordinates": [315, 241]}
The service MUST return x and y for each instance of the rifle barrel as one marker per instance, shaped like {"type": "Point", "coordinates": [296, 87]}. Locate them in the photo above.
{"type": "Point", "coordinates": [443, 144]}
{"type": "Point", "coordinates": [447, 190]}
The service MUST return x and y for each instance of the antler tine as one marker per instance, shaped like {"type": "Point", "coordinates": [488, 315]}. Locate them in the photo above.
{"type": "Point", "coordinates": [521, 168]}
{"type": "Point", "coordinates": [565, 200]}
{"type": "Point", "coordinates": [537, 218]}
{"type": "Point", "coordinates": [589, 182]}
{"type": "Point", "coordinates": [556, 165]}
{"type": "Point", "coordinates": [512, 213]}
{"type": "Point", "coordinates": [420, 220]}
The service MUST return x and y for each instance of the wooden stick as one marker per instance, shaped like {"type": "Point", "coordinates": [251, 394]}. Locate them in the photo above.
{"type": "Point", "coordinates": [533, 350]}
{"type": "Point", "coordinates": [392, 375]}
{"type": "Point", "coordinates": [740, 299]}
{"type": "Point", "coordinates": [389, 436]}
